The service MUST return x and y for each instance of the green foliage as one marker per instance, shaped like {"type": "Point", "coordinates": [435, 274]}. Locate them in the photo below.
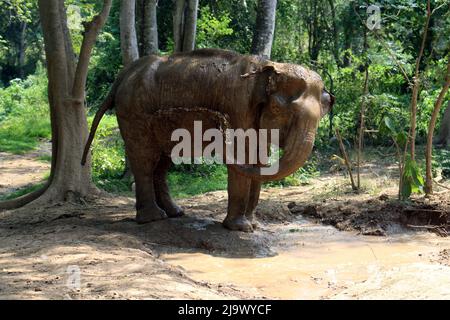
{"type": "Point", "coordinates": [212, 29]}
{"type": "Point", "coordinates": [15, 16]}
{"type": "Point", "coordinates": [412, 181]}
{"type": "Point", "coordinates": [106, 60]}
{"type": "Point", "coordinates": [24, 114]}
{"type": "Point", "coordinates": [441, 160]}
{"type": "Point", "coordinates": [400, 137]}
{"type": "Point", "coordinates": [108, 157]}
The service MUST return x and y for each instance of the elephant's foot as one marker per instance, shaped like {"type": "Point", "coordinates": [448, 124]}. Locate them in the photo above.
{"type": "Point", "coordinates": [150, 214]}
{"type": "Point", "coordinates": [240, 223]}
{"type": "Point", "coordinates": [173, 211]}
{"type": "Point", "coordinates": [252, 219]}
{"type": "Point", "coordinates": [255, 224]}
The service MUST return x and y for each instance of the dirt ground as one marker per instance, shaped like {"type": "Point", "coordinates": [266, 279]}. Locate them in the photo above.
{"type": "Point", "coordinates": [18, 172]}
{"type": "Point", "coordinates": [97, 251]}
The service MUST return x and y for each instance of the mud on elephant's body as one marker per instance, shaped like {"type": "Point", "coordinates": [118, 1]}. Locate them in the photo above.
{"type": "Point", "coordinates": [252, 92]}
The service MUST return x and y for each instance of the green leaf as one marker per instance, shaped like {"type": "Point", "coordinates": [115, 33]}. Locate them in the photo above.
{"type": "Point", "coordinates": [388, 123]}
{"type": "Point", "coordinates": [401, 138]}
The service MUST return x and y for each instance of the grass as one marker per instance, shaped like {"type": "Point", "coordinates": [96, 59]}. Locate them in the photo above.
{"type": "Point", "coordinates": [186, 184]}
{"type": "Point", "coordinates": [21, 133]}
{"type": "Point", "coordinates": [16, 145]}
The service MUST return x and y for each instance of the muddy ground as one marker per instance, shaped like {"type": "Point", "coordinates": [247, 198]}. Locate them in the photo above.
{"type": "Point", "coordinates": [97, 251]}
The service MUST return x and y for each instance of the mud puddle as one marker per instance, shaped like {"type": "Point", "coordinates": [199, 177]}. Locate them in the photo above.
{"type": "Point", "coordinates": [313, 261]}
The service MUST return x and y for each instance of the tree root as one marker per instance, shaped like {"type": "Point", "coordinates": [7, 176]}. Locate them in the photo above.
{"type": "Point", "coordinates": [24, 200]}
{"type": "Point", "coordinates": [47, 194]}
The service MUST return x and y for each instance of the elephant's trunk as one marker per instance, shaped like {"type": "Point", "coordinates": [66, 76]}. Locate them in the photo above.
{"type": "Point", "coordinates": [298, 148]}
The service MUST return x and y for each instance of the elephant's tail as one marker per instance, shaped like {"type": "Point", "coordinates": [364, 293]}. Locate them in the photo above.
{"type": "Point", "coordinates": [107, 105]}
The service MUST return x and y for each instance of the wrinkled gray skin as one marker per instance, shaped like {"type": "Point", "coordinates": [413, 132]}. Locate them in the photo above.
{"type": "Point", "coordinates": [252, 92]}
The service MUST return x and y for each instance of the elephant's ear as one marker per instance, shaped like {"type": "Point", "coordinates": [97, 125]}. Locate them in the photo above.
{"type": "Point", "coordinates": [273, 72]}
{"type": "Point", "coordinates": [283, 85]}
{"type": "Point", "coordinates": [265, 67]}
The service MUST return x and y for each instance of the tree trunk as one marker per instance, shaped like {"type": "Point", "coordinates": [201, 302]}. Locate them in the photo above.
{"type": "Point", "coordinates": [66, 94]}
{"type": "Point", "coordinates": [129, 46]}
{"type": "Point", "coordinates": [416, 84]}
{"type": "Point", "coordinates": [315, 33]}
{"type": "Point", "coordinates": [335, 33]}
{"type": "Point", "coordinates": [429, 151]}
{"type": "Point", "coordinates": [190, 26]}
{"type": "Point", "coordinates": [185, 25]}
{"type": "Point", "coordinates": [128, 37]}
{"type": "Point", "coordinates": [140, 25]}
{"type": "Point", "coordinates": [443, 138]}
{"type": "Point", "coordinates": [22, 48]}
{"type": "Point", "coordinates": [265, 28]}
{"type": "Point", "coordinates": [150, 28]}
{"type": "Point", "coordinates": [178, 24]}
{"type": "Point", "coordinates": [70, 129]}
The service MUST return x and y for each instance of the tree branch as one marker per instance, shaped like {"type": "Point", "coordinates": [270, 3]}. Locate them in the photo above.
{"type": "Point", "coordinates": [92, 30]}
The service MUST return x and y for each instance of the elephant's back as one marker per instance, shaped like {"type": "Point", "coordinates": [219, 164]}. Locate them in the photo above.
{"type": "Point", "coordinates": [203, 78]}
{"type": "Point", "coordinates": [208, 78]}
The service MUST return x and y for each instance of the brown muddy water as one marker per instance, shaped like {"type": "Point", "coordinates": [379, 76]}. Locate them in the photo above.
{"type": "Point", "coordinates": [318, 262]}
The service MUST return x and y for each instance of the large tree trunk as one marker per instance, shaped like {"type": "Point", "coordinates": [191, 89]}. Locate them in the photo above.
{"type": "Point", "coordinates": [69, 180]}
{"type": "Point", "coordinates": [128, 38]}
{"type": "Point", "coordinates": [443, 138]}
{"type": "Point", "coordinates": [150, 28]}
{"type": "Point", "coordinates": [265, 28]}
{"type": "Point", "coordinates": [178, 24]}
{"type": "Point", "coordinates": [185, 24]}
{"type": "Point", "coordinates": [335, 33]}
{"type": "Point", "coordinates": [70, 128]}
{"type": "Point", "coordinates": [129, 45]}
{"type": "Point", "coordinates": [313, 35]}
{"type": "Point", "coordinates": [190, 25]}
{"type": "Point", "coordinates": [22, 48]}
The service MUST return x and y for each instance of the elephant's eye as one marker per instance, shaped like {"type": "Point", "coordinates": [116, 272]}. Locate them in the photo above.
{"type": "Point", "coordinates": [295, 96]}
{"type": "Point", "coordinates": [293, 89]}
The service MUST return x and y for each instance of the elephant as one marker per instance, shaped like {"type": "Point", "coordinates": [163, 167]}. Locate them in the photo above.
{"type": "Point", "coordinates": [250, 91]}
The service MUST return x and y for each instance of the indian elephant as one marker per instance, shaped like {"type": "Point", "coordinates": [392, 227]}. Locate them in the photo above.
{"type": "Point", "coordinates": [251, 91]}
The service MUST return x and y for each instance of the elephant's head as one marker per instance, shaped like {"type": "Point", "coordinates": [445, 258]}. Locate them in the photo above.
{"type": "Point", "coordinates": [294, 100]}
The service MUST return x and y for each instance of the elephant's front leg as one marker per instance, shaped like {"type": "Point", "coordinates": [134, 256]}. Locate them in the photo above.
{"type": "Point", "coordinates": [238, 193]}
{"type": "Point", "coordinates": [252, 203]}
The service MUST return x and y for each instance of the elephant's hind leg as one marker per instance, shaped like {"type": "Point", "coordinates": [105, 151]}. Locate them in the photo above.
{"type": "Point", "coordinates": [163, 197]}
{"type": "Point", "coordinates": [146, 206]}
{"type": "Point", "coordinates": [143, 160]}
